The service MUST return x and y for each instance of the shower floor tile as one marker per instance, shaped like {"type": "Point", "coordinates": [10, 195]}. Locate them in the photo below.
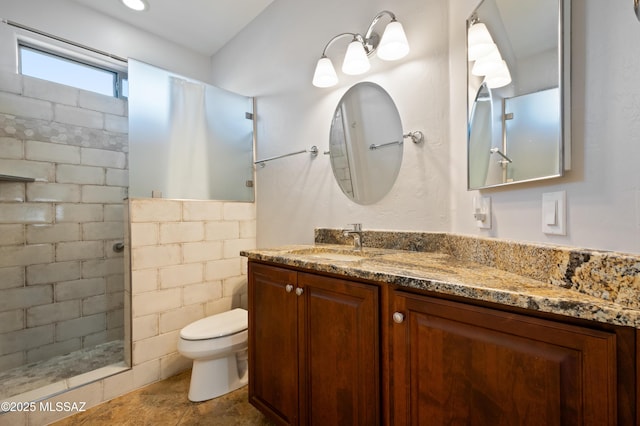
{"type": "Point", "coordinates": [46, 373]}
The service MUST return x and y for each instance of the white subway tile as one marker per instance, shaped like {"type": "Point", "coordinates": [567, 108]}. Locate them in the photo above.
{"type": "Point", "coordinates": [181, 232]}
{"type": "Point", "coordinates": [146, 373]}
{"type": "Point", "coordinates": [103, 158]}
{"type": "Point", "coordinates": [118, 385]}
{"type": "Point", "coordinates": [145, 327]}
{"type": "Point", "coordinates": [201, 293]}
{"type": "Point", "coordinates": [11, 148]}
{"type": "Point", "coordinates": [96, 268]}
{"type": "Point", "coordinates": [53, 313]}
{"type": "Point", "coordinates": [25, 107]}
{"type": "Point", "coordinates": [45, 90]}
{"type": "Point", "coordinates": [144, 280]}
{"type": "Point", "coordinates": [79, 250]}
{"type": "Point", "coordinates": [53, 192]}
{"type": "Point", "coordinates": [58, 348]}
{"type": "Point", "coordinates": [13, 192]}
{"type": "Point", "coordinates": [11, 234]}
{"type": "Point", "coordinates": [155, 256]}
{"type": "Point", "coordinates": [87, 175]}
{"type": "Point", "coordinates": [80, 326]}
{"type": "Point", "coordinates": [53, 272]}
{"type": "Point", "coordinates": [102, 103]}
{"type": "Point", "coordinates": [102, 230]}
{"type": "Point", "coordinates": [144, 234]}
{"type": "Point", "coordinates": [202, 210]}
{"type": "Point", "coordinates": [102, 194]}
{"type": "Point", "coordinates": [53, 233]}
{"type": "Point", "coordinates": [38, 170]}
{"type": "Point", "coordinates": [10, 82]}
{"type": "Point", "coordinates": [145, 210]}
{"type": "Point", "coordinates": [173, 364]}
{"type": "Point", "coordinates": [219, 305]}
{"type": "Point", "coordinates": [248, 229]}
{"type": "Point", "coordinates": [114, 212]}
{"type": "Point", "coordinates": [79, 213]}
{"type": "Point", "coordinates": [221, 269]}
{"type": "Point", "coordinates": [25, 255]}
{"type": "Point", "coordinates": [179, 318]}
{"type": "Point", "coordinates": [239, 211]}
{"type": "Point", "coordinates": [232, 248]}
{"type": "Point", "coordinates": [234, 286]}
{"type": "Point", "coordinates": [217, 231]}
{"type": "Point", "coordinates": [12, 320]}
{"type": "Point", "coordinates": [78, 289]}
{"type": "Point", "coordinates": [11, 277]}
{"type": "Point", "coordinates": [201, 251]}
{"type": "Point", "coordinates": [102, 303]}
{"type": "Point", "coordinates": [52, 152]}
{"type": "Point", "coordinates": [117, 177]}
{"type": "Point", "coordinates": [26, 339]}
{"type": "Point", "coordinates": [175, 276]}
{"type": "Point", "coordinates": [116, 123]}
{"type": "Point", "coordinates": [156, 302]}
{"type": "Point", "coordinates": [26, 213]}
{"type": "Point", "coordinates": [155, 347]}
{"type": "Point", "coordinates": [78, 116]}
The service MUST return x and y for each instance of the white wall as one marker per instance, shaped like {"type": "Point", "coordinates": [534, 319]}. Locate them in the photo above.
{"type": "Point", "coordinates": [274, 57]}
{"type": "Point", "coordinates": [74, 22]}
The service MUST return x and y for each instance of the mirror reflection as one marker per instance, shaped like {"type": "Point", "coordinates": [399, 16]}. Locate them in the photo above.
{"type": "Point", "coordinates": [518, 124]}
{"type": "Point", "coordinates": [365, 143]}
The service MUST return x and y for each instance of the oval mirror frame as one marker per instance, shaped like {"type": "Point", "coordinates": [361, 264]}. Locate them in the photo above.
{"type": "Point", "coordinates": [529, 142]}
{"type": "Point", "coordinates": [366, 143]}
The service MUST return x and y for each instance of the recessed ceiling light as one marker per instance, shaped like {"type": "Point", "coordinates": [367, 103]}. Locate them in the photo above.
{"type": "Point", "coordinates": [137, 5]}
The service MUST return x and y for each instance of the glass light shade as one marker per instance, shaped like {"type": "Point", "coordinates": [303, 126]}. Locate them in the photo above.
{"type": "Point", "coordinates": [355, 60]}
{"type": "Point", "coordinates": [138, 5]}
{"type": "Point", "coordinates": [393, 44]}
{"type": "Point", "coordinates": [487, 64]}
{"type": "Point", "coordinates": [479, 41]}
{"type": "Point", "coordinates": [500, 77]}
{"type": "Point", "coordinates": [325, 75]}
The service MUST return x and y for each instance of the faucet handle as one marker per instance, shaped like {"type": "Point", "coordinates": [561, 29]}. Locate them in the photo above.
{"type": "Point", "coordinates": [357, 227]}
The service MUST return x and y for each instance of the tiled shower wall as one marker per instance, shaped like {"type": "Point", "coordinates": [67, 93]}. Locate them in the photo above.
{"type": "Point", "coordinates": [61, 283]}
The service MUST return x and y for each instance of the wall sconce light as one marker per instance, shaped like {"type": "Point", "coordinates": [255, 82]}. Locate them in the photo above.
{"type": "Point", "coordinates": [393, 45]}
{"type": "Point", "coordinates": [488, 61]}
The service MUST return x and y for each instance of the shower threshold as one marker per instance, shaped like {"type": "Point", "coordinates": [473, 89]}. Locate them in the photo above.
{"type": "Point", "coordinates": [39, 380]}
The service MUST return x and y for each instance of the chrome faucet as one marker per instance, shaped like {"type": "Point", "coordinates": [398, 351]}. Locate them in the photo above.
{"type": "Point", "coordinates": [356, 233]}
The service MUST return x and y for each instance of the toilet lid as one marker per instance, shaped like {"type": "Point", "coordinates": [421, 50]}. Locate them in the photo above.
{"type": "Point", "coordinates": [219, 325]}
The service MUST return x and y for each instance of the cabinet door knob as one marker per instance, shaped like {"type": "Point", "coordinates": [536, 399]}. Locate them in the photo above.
{"type": "Point", "coordinates": [398, 317]}
{"type": "Point", "coordinates": [288, 288]}
{"type": "Point", "coordinates": [299, 291]}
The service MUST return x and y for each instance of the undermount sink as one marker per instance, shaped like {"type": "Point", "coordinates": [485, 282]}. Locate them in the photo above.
{"type": "Point", "coordinates": [326, 253]}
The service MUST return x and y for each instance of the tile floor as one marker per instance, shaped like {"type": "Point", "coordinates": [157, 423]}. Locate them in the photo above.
{"type": "Point", "coordinates": [165, 403]}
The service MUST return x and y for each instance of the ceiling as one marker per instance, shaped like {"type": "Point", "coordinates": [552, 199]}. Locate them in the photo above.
{"type": "Point", "coordinates": [200, 25]}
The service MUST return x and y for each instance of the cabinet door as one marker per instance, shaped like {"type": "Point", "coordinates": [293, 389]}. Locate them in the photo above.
{"type": "Point", "coordinates": [456, 364]}
{"type": "Point", "coordinates": [273, 350]}
{"type": "Point", "coordinates": [339, 352]}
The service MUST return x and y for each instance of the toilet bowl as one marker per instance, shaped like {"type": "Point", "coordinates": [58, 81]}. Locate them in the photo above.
{"type": "Point", "coordinates": [218, 347]}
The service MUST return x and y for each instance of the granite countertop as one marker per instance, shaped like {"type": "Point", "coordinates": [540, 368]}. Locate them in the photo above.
{"type": "Point", "coordinates": [446, 274]}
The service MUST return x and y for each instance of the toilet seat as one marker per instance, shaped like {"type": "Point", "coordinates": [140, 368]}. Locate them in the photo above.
{"type": "Point", "coordinates": [216, 326]}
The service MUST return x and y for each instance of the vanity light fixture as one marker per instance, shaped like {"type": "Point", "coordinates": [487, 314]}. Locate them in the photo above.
{"type": "Point", "coordinates": [484, 51]}
{"type": "Point", "coordinates": [393, 45]}
{"type": "Point", "coordinates": [137, 5]}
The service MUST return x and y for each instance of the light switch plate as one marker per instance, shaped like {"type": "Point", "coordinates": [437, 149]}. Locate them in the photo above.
{"type": "Point", "coordinates": [482, 211]}
{"type": "Point", "coordinates": [554, 213]}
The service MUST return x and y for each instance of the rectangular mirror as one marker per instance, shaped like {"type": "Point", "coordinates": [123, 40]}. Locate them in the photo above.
{"type": "Point", "coordinates": [188, 139]}
{"type": "Point", "coordinates": [518, 92]}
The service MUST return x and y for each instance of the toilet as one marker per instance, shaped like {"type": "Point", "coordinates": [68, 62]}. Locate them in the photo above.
{"type": "Point", "coordinates": [218, 347]}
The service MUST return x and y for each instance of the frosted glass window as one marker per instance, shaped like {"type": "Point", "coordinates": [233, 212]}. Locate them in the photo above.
{"type": "Point", "coordinates": [187, 139]}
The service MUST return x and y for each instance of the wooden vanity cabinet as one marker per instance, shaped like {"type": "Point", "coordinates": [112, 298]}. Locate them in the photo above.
{"type": "Point", "coordinates": [458, 364]}
{"type": "Point", "coordinates": [313, 348]}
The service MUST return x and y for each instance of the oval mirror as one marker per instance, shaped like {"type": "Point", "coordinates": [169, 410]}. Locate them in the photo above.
{"type": "Point", "coordinates": [365, 143]}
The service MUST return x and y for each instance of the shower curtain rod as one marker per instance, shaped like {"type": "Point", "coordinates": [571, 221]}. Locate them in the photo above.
{"type": "Point", "coordinates": [64, 40]}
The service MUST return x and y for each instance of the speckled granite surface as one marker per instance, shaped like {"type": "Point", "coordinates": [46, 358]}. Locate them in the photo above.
{"type": "Point", "coordinates": [586, 284]}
